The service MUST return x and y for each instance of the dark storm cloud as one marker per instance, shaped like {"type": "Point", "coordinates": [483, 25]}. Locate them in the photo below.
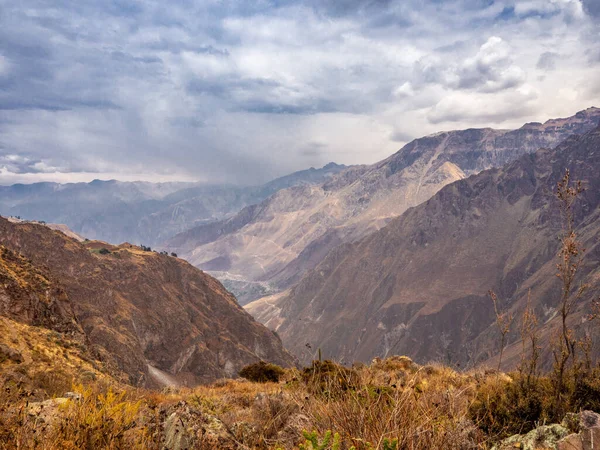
{"type": "Point", "coordinates": [401, 136]}
{"type": "Point", "coordinates": [592, 7]}
{"type": "Point", "coordinates": [313, 150]}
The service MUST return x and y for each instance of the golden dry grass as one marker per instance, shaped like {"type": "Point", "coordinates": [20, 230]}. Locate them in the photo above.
{"type": "Point", "coordinates": [422, 407]}
{"type": "Point", "coordinates": [389, 401]}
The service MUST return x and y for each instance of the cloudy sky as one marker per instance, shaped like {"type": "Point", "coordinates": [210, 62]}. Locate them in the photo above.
{"type": "Point", "coordinates": [243, 91]}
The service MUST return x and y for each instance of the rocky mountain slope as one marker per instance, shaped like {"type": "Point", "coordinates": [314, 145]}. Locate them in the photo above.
{"type": "Point", "coordinates": [268, 247]}
{"type": "Point", "coordinates": [419, 286]}
{"type": "Point", "coordinates": [153, 317]}
{"type": "Point", "coordinates": [141, 212]}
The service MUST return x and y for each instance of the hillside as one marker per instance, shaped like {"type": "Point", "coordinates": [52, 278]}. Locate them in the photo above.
{"type": "Point", "coordinates": [152, 317]}
{"type": "Point", "coordinates": [141, 212]}
{"type": "Point", "coordinates": [268, 247]}
{"type": "Point", "coordinates": [419, 286]}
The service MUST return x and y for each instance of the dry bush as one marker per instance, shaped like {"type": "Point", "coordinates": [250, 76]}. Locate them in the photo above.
{"type": "Point", "coordinates": [432, 407]}
{"type": "Point", "coordinates": [54, 382]}
{"type": "Point", "coordinates": [94, 419]}
{"type": "Point", "coordinates": [329, 379]}
{"type": "Point", "coordinates": [431, 411]}
{"type": "Point", "coordinates": [505, 405]}
{"type": "Point", "coordinates": [262, 372]}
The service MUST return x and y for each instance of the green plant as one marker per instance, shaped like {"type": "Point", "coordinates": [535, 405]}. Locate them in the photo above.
{"type": "Point", "coordinates": [314, 443]}
{"type": "Point", "coordinates": [390, 444]}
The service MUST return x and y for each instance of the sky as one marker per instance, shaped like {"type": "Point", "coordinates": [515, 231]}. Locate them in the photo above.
{"type": "Point", "coordinates": [244, 91]}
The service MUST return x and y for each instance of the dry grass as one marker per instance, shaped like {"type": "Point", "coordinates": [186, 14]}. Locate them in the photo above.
{"type": "Point", "coordinates": [391, 402]}
{"type": "Point", "coordinates": [422, 407]}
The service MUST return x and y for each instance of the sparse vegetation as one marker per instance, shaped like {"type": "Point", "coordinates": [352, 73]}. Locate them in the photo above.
{"type": "Point", "coordinates": [427, 409]}
{"type": "Point", "coordinates": [515, 405]}
{"type": "Point", "coordinates": [389, 404]}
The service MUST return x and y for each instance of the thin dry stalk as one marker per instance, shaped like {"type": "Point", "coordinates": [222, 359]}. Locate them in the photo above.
{"type": "Point", "coordinates": [503, 322]}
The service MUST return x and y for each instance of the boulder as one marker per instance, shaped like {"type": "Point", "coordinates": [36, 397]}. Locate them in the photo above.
{"type": "Point", "coordinates": [544, 437]}
{"type": "Point", "coordinates": [589, 436]}
{"type": "Point", "coordinates": [571, 442]}
{"type": "Point", "coordinates": [187, 427]}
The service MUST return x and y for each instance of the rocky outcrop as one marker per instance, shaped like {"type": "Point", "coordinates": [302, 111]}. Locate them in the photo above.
{"type": "Point", "coordinates": [419, 286]}
{"type": "Point", "coordinates": [545, 437]}
{"type": "Point", "coordinates": [135, 309]}
{"type": "Point", "coordinates": [559, 437]}
{"type": "Point", "coordinates": [278, 240]}
{"type": "Point", "coordinates": [29, 295]}
{"type": "Point", "coordinates": [588, 435]}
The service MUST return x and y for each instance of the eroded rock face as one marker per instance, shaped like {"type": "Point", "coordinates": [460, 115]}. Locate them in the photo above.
{"type": "Point", "coordinates": [29, 295]}
{"type": "Point", "coordinates": [135, 309]}
{"type": "Point", "coordinates": [419, 285]}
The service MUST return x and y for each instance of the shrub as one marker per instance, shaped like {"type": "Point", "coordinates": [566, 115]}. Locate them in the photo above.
{"type": "Point", "coordinates": [504, 406]}
{"type": "Point", "coordinates": [104, 251]}
{"type": "Point", "coordinates": [587, 392]}
{"type": "Point", "coordinates": [327, 377]}
{"type": "Point", "coordinates": [262, 372]}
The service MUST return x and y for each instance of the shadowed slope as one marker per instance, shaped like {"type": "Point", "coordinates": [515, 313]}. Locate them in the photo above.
{"type": "Point", "coordinates": [419, 286]}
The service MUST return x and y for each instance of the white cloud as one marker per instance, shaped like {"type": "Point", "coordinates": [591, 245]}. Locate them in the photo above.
{"type": "Point", "coordinates": [573, 9]}
{"type": "Point", "coordinates": [245, 91]}
{"type": "Point", "coordinates": [491, 69]}
{"type": "Point", "coordinates": [481, 110]}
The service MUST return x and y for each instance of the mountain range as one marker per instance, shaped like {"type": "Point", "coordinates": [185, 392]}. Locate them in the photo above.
{"type": "Point", "coordinates": [141, 212]}
{"type": "Point", "coordinates": [359, 262]}
{"type": "Point", "coordinates": [268, 247]}
{"type": "Point", "coordinates": [419, 286]}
